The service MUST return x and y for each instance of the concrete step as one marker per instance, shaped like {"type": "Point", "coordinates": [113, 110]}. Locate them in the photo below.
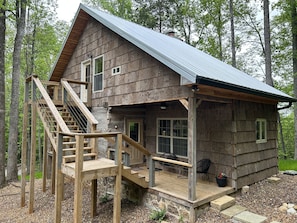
{"type": "Point", "coordinates": [232, 211]}
{"type": "Point", "coordinates": [222, 203]}
{"type": "Point", "coordinates": [249, 217]}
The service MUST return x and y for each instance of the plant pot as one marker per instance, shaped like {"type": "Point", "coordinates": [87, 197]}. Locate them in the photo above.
{"type": "Point", "coordinates": [222, 182]}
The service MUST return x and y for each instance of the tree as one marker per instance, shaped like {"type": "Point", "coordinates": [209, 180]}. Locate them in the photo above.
{"type": "Point", "coordinates": [233, 45]}
{"type": "Point", "coordinates": [2, 92]}
{"type": "Point", "coordinates": [20, 13]}
{"type": "Point", "coordinates": [294, 49]}
{"type": "Point", "coordinates": [267, 48]}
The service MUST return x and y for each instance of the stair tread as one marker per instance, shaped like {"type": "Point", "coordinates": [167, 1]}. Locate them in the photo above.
{"type": "Point", "coordinates": [73, 149]}
{"type": "Point", "coordinates": [85, 155]}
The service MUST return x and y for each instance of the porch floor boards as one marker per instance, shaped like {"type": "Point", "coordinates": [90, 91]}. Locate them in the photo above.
{"type": "Point", "coordinates": [176, 185]}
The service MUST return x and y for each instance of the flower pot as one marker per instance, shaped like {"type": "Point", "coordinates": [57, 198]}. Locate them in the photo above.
{"type": "Point", "coordinates": [222, 182]}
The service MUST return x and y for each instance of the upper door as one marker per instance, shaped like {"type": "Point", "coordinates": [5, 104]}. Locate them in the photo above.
{"type": "Point", "coordinates": [85, 77]}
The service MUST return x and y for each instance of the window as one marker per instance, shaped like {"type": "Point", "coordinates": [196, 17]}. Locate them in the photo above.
{"type": "Point", "coordinates": [98, 74]}
{"type": "Point", "coordinates": [261, 131]}
{"type": "Point", "coordinates": [116, 70]}
{"type": "Point", "coordinates": [172, 136]}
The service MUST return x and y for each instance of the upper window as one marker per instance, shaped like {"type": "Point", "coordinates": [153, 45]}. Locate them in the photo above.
{"type": "Point", "coordinates": [261, 130]}
{"type": "Point", "coordinates": [98, 74]}
{"type": "Point", "coordinates": [172, 136]}
{"type": "Point", "coordinates": [116, 70]}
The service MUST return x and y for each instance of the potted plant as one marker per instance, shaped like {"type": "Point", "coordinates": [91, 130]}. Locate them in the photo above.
{"type": "Point", "coordinates": [221, 179]}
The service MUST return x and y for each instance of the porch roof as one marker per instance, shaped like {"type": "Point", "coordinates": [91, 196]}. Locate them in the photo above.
{"type": "Point", "coordinates": [192, 64]}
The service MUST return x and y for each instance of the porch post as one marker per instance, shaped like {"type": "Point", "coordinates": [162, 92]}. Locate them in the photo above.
{"type": "Point", "coordinates": [192, 147]}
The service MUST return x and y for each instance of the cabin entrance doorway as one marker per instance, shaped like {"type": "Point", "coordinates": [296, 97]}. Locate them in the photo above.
{"type": "Point", "coordinates": [134, 130]}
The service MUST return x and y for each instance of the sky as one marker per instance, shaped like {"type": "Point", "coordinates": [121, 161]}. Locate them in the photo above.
{"type": "Point", "coordinates": [67, 8]}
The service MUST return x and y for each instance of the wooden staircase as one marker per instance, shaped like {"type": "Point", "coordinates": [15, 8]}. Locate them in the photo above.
{"type": "Point", "coordinates": [69, 143]}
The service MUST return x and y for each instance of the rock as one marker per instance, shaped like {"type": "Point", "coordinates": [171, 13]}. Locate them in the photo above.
{"type": "Point", "coordinates": [283, 209]}
{"type": "Point", "coordinates": [291, 211]}
{"type": "Point", "coordinates": [285, 205]}
{"type": "Point", "coordinates": [290, 206]}
{"type": "Point", "coordinates": [295, 207]}
{"type": "Point", "coordinates": [245, 189]}
{"type": "Point", "coordinates": [273, 180]}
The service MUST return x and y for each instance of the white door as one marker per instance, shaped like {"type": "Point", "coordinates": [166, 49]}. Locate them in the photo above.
{"type": "Point", "coordinates": [85, 77]}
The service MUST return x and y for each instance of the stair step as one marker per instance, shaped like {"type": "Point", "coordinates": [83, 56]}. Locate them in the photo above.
{"type": "Point", "coordinates": [74, 143]}
{"type": "Point", "coordinates": [222, 203]}
{"type": "Point", "coordinates": [71, 158]}
{"type": "Point", "coordinates": [73, 149]}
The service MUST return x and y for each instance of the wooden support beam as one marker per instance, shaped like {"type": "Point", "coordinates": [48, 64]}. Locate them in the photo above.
{"type": "Point", "coordinates": [78, 185]}
{"type": "Point", "coordinates": [44, 166]}
{"type": "Point", "coordinates": [94, 197]}
{"type": "Point", "coordinates": [59, 180]}
{"type": "Point", "coordinates": [53, 173]}
{"type": "Point", "coordinates": [24, 154]}
{"type": "Point", "coordinates": [33, 150]}
{"type": "Point", "coordinates": [192, 120]}
{"type": "Point", "coordinates": [118, 181]}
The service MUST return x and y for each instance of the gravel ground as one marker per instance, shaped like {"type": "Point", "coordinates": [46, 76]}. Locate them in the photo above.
{"type": "Point", "coordinates": [264, 198]}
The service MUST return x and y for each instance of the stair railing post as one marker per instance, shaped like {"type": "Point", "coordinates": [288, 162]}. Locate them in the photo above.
{"type": "Point", "coordinates": [59, 179]}
{"type": "Point", "coordinates": [151, 171]}
{"type": "Point", "coordinates": [78, 178]}
{"type": "Point", "coordinates": [118, 180]}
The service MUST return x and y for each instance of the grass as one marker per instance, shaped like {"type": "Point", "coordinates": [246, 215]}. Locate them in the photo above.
{"type": "Point", "coordinates": [287, 165]}
{"type": "Point", "coordinates": [38, 175]}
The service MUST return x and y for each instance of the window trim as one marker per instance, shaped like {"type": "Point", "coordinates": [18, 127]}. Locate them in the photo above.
{"type": "Point", "coordinates": [94, 74]}
{"type": "Point", "coordinates": [261, 139]}
{"type": "Point", "coordinates": [171, 137]}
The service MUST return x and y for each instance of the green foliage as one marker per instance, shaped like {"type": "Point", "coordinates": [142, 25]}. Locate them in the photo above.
{"type": "Point", "coordinates": [104, 199]}
{"type": "Point", "coordinates": [158, 215]}
{"type": "Point", "coordinates": [287, 165]}
{"type": "Point", "coordinates": [287, 122]}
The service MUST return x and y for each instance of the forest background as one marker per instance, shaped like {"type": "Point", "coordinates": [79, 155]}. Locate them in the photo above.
{"type": "Point", "coordinates": [258, 37]}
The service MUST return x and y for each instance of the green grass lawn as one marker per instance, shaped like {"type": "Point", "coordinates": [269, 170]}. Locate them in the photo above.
{"type": "Point", "coordinates": [38, 175]}
{"type": "Point", "coordinates": [287, 164]}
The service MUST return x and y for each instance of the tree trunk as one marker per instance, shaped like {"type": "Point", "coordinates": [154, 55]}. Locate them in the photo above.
{"type": "Point", "coordinates": [2, 93]}
{"type": "Point", "coordinates": [294, 47]}
{"type": "Point", "coordinates": [12, 170]}
{"type": "Point", "coordinates": [232, 33]}
{"type": "Point", "coordinates": [267, 51]}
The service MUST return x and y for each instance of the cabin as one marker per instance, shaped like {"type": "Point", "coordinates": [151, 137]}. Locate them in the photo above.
{"type": "Point", "coordinates": [147, 108]}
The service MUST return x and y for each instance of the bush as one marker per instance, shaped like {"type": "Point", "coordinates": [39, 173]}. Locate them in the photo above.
{"type": "Point", "coordinates": [158, 215]}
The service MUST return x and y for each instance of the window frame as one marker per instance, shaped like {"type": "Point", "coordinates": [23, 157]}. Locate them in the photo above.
{"type": "Point", "coordinates": [261, 122]}
{"type": "Point", "coordinates": [171, 136]}
{"type": "Point", "coordinates": [97, 74]}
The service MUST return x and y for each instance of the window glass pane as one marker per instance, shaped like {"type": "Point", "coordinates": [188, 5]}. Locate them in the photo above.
{"type": "Point", "coordinates": [164, 145]}
{"type": "Point", "coordinates": [263, 128]}
{"type": "Point", "coordinates": [180, 128]}
{"type": "Point", "coordinates": [258, 130]}
{"type": "Point", "coordinates": [98, 65]}
{"type": "Point", "coordinates": [134, 131]}
{"type": "Point", "coordinates": [164, 127]}
{"type": "Point", "coordinates": [98, 84]}
{"type": "Point", "coordinates": [180, 147]}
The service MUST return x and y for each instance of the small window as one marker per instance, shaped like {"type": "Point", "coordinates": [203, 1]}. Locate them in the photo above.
{"type": "Point", "coordinates": [261, 130]}
{"type": "Point", "coordinates": [98, 74]}
{"type": "Point", "coordinates": [116, 70]}
{"type": "Point", "coordinates": [172, 136]}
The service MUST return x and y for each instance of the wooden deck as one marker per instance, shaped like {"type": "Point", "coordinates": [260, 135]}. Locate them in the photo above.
{"type": "Point", "coordinates": [92, 169]}
{"type": "Point", "coordinates": [176, 186]}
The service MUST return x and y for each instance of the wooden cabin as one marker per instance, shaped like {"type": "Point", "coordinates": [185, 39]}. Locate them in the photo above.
{"type": "Point", "coordinates": [166, 97]}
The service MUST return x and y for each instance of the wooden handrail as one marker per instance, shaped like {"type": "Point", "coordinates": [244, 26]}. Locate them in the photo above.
{"type": "Point", "coordinates": [51, 106]}
{"type": "Point", "coordinates": [136, 145]}
{"type": "Point", "coordinates": [79, 103]}
{"type": "Point", "coordinates": [176, 162]}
